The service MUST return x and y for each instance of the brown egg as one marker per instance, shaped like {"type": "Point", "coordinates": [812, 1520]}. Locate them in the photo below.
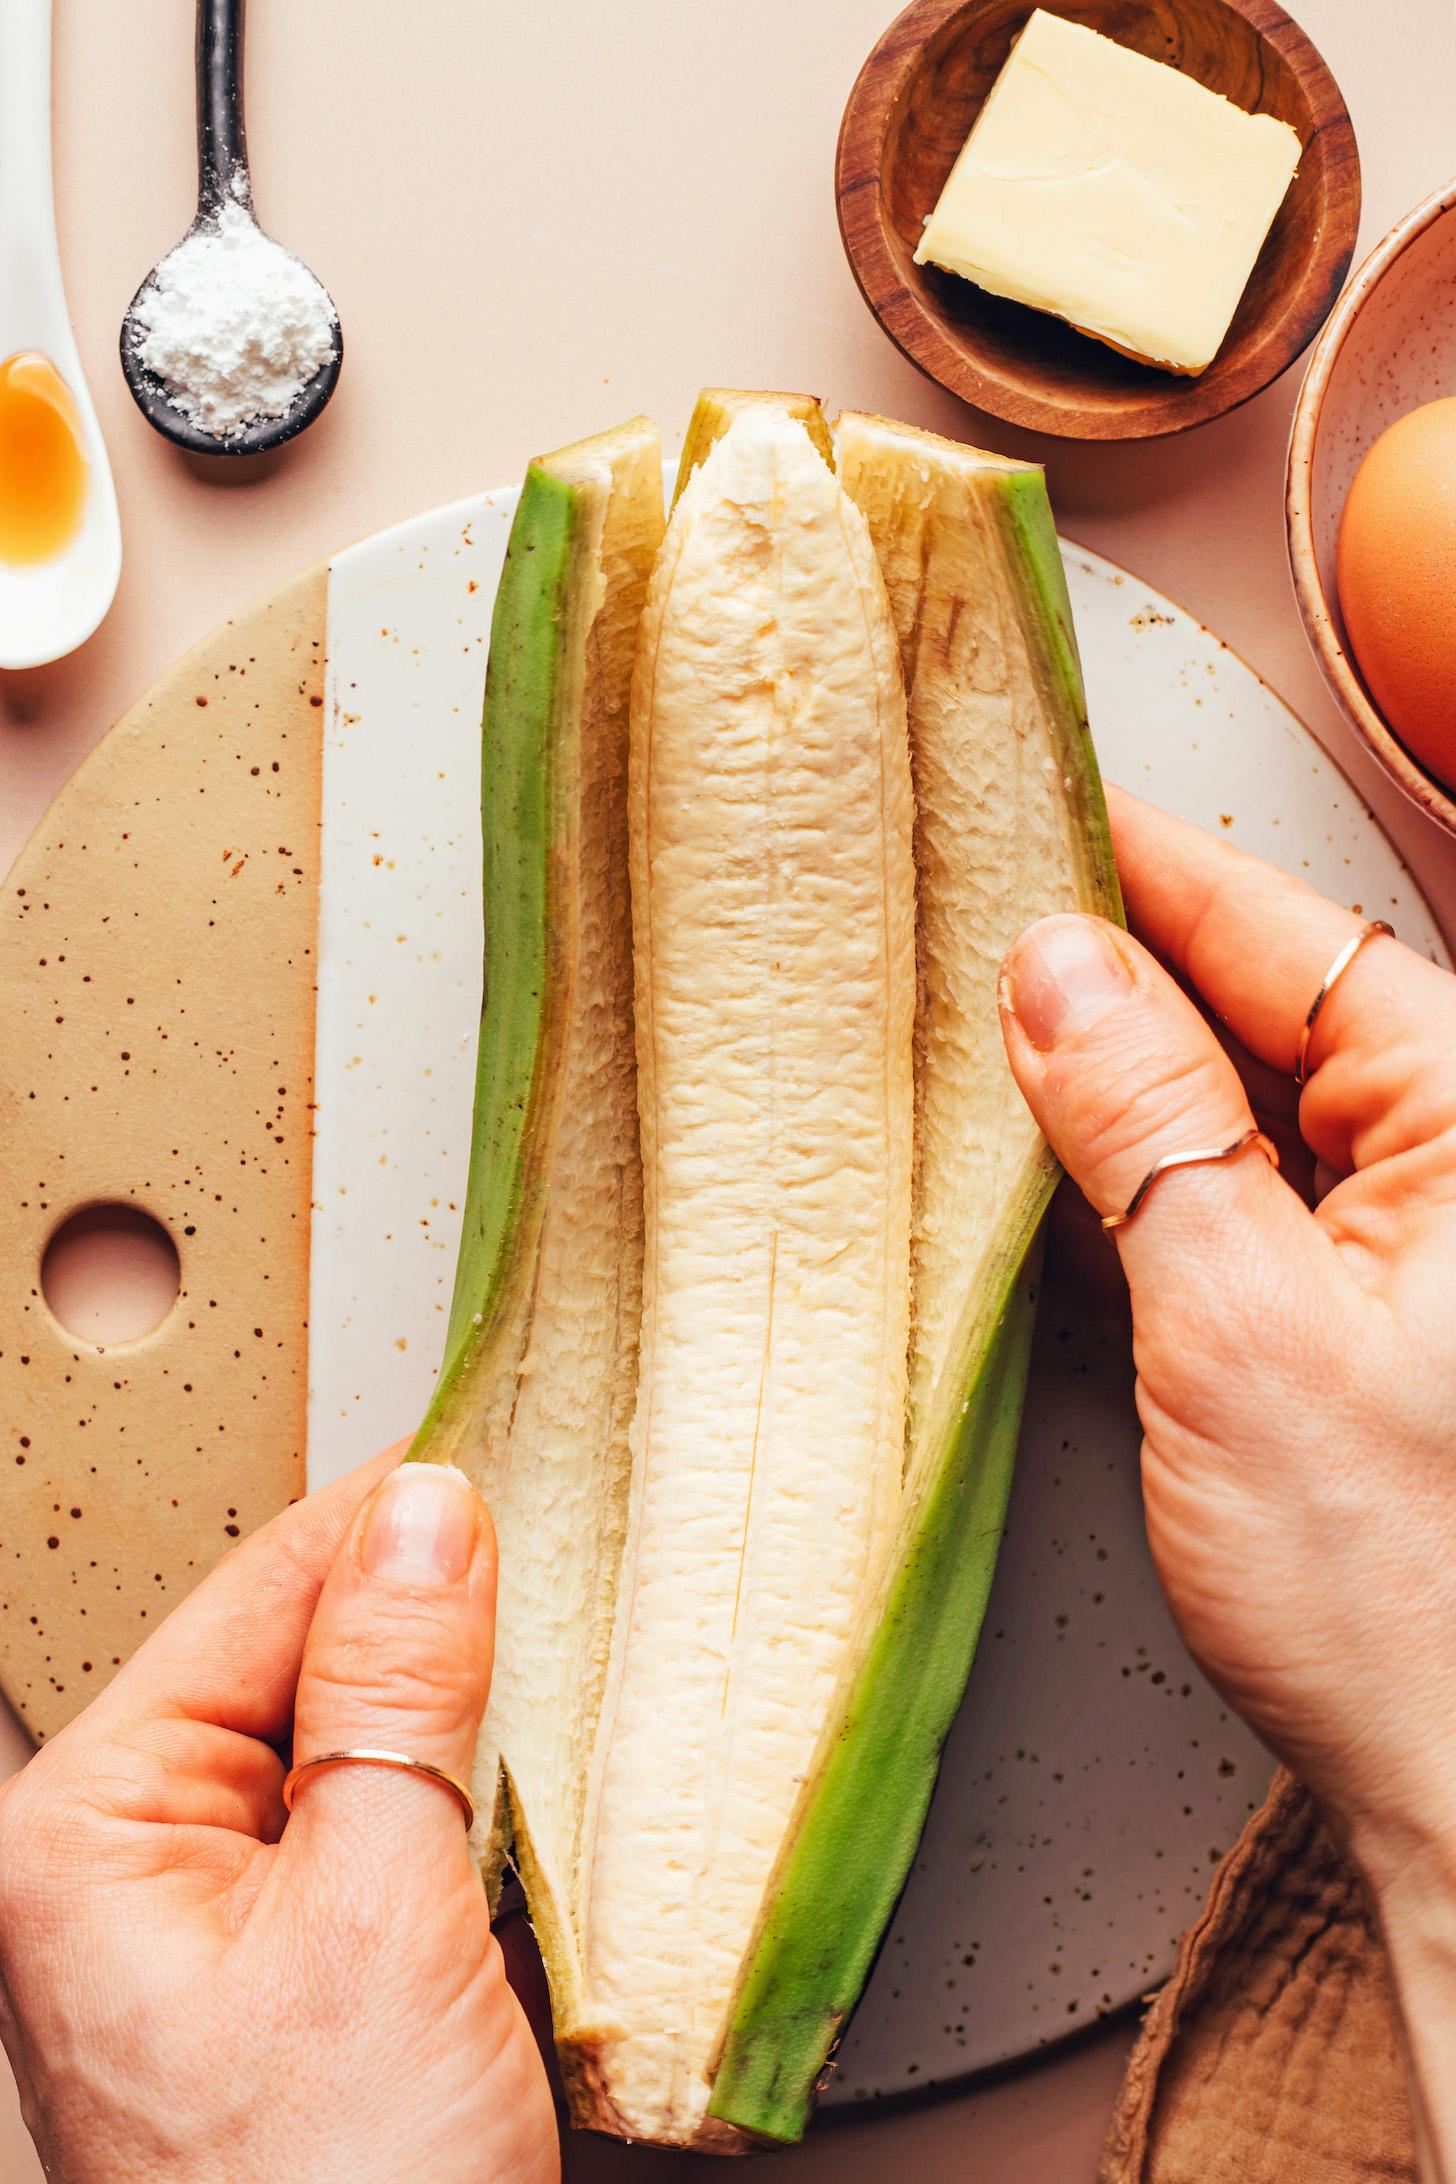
{"type": "Point", "coordinates": [1396, 572]}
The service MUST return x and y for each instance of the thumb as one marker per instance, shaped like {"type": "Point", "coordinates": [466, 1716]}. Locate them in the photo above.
{"type": "Point", "coordinates": [1121, 1070]}
{"type": "Point", "coordinates": [398, 1657]}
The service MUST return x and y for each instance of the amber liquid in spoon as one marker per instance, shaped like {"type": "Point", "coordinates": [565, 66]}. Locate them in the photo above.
{"type": "Point", "coordinates": [42, 466]}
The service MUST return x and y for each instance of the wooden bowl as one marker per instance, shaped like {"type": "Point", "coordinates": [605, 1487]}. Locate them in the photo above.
{"type": "Point", "coordinates": [910, 112]}
{"type": "Point", "coordinates": [1390, 345]}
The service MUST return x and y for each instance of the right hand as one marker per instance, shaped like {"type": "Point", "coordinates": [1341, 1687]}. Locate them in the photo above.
{"type": "Point", "coordinates": [1296, 1362]}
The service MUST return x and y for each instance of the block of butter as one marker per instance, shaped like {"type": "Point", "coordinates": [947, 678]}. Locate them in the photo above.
{"type": "Point", "coordinates": [1113, 191]}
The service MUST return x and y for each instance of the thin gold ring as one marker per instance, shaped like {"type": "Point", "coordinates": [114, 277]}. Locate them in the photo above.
{"type": "Point", "coordinates": [1191, 1160]}
{"type": "Point", "coordinates": [1336, 970]}
{"type": "Point", "coordinates": [372, 1757]}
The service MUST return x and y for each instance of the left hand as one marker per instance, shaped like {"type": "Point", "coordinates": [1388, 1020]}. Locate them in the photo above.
{"type": "Point", "coordinates": [190, 1990]}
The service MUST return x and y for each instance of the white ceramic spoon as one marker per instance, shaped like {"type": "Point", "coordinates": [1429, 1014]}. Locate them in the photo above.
{"type": "Point", "coordinates": [47, 608]}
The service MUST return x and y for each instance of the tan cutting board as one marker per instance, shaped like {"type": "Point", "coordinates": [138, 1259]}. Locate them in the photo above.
{"type": "Point", "coordinates": [157, 942]}
{"type": "Point", "coordinates": [193, 909]}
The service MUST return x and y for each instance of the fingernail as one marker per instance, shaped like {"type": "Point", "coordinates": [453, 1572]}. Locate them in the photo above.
{"type": "Point", "coordinates": [1061, 977]}
{"type": "Point", "coordinates": [421, 1526]}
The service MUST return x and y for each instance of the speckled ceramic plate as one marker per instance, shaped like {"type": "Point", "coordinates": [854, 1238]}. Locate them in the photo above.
{"type": "Point", "coordinates": [1093, 1778]}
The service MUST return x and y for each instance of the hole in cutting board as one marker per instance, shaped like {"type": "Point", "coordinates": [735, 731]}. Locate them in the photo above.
{"type": "Point", "coordinates": [110, 1274]}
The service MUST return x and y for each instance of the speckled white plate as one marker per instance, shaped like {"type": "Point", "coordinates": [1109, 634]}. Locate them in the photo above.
{"type": "Point", "coordinates": [1093, 1779]}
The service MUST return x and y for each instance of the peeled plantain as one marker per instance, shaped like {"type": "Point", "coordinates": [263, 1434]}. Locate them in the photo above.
{"type": "Point", "coordinates": [757, 1180]}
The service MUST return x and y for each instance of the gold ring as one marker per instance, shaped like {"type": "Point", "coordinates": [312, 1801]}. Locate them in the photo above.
{"type": "Point", "coordinates": [375, 1758]}
{"type": "Point", "coordinates": [1336, 970]}
{"type": "Point", "coordinates": [1191, 1160]}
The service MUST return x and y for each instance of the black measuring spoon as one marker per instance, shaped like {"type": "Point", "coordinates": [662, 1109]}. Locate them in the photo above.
{"type": "Point", "coordinates": [222, 179]}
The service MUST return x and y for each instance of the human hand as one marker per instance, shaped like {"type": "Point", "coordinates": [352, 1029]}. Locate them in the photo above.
{"type": "Point", "coordinates": [189, 1992]}
{"type": "Point", "coordinates": [1296, 1363]}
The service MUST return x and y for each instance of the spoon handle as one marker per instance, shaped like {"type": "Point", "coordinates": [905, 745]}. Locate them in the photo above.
{"type": "Point", "coordinates": [222, 142]}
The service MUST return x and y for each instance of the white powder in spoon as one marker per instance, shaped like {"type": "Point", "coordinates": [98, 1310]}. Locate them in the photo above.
{"type": "Point", "coordinates": [233, 324]}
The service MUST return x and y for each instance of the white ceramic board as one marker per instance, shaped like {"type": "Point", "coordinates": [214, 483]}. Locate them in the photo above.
{"type": "Point", "coordinates": [1093, 1778]}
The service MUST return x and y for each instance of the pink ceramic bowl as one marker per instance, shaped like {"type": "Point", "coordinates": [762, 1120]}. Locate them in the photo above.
{"type": "Point", "coordinates": [1389, 345]}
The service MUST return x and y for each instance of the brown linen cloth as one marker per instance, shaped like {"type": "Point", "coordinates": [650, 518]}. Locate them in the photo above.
{"type": "Point", "coordinates": [1272, 2056]}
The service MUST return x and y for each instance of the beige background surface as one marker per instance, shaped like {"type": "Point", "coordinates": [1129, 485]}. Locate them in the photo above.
{"type": "Point", "coordinates": [535, 221]}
